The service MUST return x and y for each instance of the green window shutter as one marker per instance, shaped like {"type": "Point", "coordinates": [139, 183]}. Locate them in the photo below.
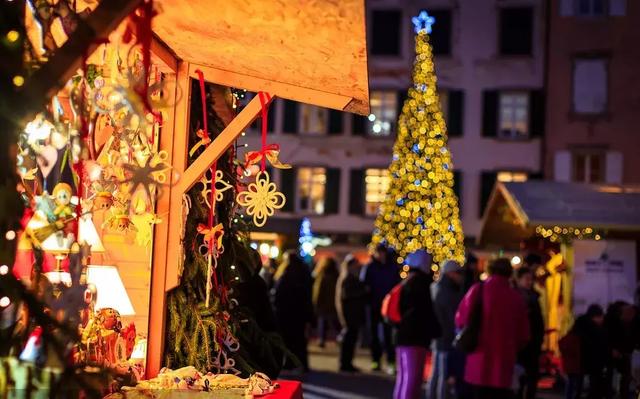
{"type": "Point", "coordinates": [490, 113]}
{"type": "Point", "coordinates": [335, 122]}
{"type": "Point", "coordinates": [488, 180]}
{"type": "Point", "coordinates": [332, 191]}
{"type": "Point", "coordinates": [290, 119]}
{"type": "Point", "coordinates": [288, 188]}
{"type": "Point", "coordinates": [357, 193]}
{"type": "Point", "coordinates": [536, 113]}
{"type": "Point", "coordinates": [455, 118]}
{"type": "Point", "coordinates": [358, 125]}
{"type": "Point", "coordinates": [457, 187]}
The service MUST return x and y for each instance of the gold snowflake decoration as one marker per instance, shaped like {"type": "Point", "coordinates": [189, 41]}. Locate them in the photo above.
{"type": "Point", "coordinates": [261, 199]}
{"type": "Point", "coordinates": [221, 187]}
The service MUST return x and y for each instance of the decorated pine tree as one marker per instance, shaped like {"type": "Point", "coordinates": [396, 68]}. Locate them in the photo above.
{"type": "Point", "coordinates": [421, 209]}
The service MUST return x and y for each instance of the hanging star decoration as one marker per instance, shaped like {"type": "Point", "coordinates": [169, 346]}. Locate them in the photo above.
{"type": "Point", "coordinates": [148, 175]}
{"type": "Point", "coordinates": [221, 187]}
{"type": "Point", "coordinates": [261, 199]}
{"type": "Point", "coordinates": [423, 22]}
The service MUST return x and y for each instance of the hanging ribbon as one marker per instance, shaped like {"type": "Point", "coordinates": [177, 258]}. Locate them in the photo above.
{"type": "Point", "coordinates": [210, 239]}
{"type": "Point", "coordinates": [264, 99]}
{"type": "Point", "coordinates": [271, 152]}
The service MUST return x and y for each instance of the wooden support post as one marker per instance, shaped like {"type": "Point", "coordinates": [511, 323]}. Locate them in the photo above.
{"type": "Point", "coordinates": [211, 154]}
{"type": "Point", "coordinates": [174, 139]}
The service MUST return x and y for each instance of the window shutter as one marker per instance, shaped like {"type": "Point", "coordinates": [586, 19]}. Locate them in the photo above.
{"type": "Point", "coordinates": [488, 180]}
{"type": "Point", "coordinates": [562, 166]}
{"type": "Point", "coordinates": [536, 113]}
{"type": "Point", "coordinates": [455, 118]}
{"type": "Point", "coordinates": [617, 8]}
{"type": "Point", "coordinates": [290, 122]}
{"type": "Point", "coordinates": [357, 193]}
{"type": "Point", "coordinates": [335, 122]}
{"type": "Point", "coordinates": [457, 187]}
{"type": "Point", "coordinates": [332, 191]}
{"type": "Point", "coordinates": [490, 113]}
{"type": "Point", "coordinates": [358, 125]}
{"type": "Point", "coordinates": [288, 188]}
{"type": "Point", "coordinates": [566, 8]}
{"type": "Point", "coordinates": [613, 168]}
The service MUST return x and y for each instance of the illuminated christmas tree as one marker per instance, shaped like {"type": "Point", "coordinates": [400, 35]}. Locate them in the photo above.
{"type": "Point", "coordinates": [421, 208]}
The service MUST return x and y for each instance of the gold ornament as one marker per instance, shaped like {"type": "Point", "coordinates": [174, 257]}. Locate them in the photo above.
{"type": "Point", "coordinates": [261, 199]}
{"type": "Point", "coordinates": [221, 187]}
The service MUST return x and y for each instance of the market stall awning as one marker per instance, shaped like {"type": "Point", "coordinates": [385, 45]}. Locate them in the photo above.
{"type": "Point", "coordinates": [516, 209]}
{"type": "Point", "coordinates": [275, 46]}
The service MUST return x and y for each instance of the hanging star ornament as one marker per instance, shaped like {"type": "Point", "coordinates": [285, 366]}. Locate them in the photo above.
{"type": "Point", "coordinates": [423, 22]}
{"type": "Point", "coordinates": [261, 199]}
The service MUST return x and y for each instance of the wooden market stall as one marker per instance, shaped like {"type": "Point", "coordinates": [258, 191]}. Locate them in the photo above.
{"type": "Point", "coordinates": [587, 227]}
{"type": "Point", "coordinates": [267, 46]}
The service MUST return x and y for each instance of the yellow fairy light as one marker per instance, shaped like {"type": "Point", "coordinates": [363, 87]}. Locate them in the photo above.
{"type": "Point", "coordinates": [18, 80]}
{"type": "Point", "coordinates": [12, 36]}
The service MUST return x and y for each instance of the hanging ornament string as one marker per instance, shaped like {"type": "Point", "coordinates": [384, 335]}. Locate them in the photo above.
{"type": "Point", "coordinates": [209, 239]}
{"type": "Point", "coordinates": [264, 99]}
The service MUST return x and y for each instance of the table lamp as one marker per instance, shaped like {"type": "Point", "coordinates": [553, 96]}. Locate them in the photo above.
{"type": "Point", "coordinates": [111, 292]}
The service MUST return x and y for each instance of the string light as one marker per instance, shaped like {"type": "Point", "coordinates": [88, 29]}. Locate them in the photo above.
{"type": "Point", "coordinates": [421, 209]}
{"type": "Point", "coordinates": [12, 36]}
{"type": "Point", "coordinates": [18, 80]}
{"type": "Point", "coordinates": [559, 234]}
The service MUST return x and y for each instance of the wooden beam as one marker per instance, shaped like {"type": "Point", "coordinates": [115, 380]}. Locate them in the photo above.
{"type": "Point", "coordinates": [193, 174]}
{"type": "Point", "coordinates": [162, 56]}
{"type": "Point", "coordinates": [166, 243]}
{"type": "Point", "coordinates": [53, 75]}
{"type": "Point", "coordinates": [284, 90]}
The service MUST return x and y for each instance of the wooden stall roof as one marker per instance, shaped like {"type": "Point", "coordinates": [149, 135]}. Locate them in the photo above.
{"type": "Point", "coordinates": [312, 51]}
{"type": "Point", "coordinates": [516, 209]}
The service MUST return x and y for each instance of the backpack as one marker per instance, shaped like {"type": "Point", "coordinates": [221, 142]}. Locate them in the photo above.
{"type": "Point", "coordinates": [390, 309]}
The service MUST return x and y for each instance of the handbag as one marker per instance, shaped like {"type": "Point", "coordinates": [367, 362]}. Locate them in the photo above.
{"type": "Point", "coordinates": [467, 338]}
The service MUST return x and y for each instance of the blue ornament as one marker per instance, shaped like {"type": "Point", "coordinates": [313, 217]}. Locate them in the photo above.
{"type": "Point", "coordinates": [400, 202]}
{"type": "Point", "coordinates": [423, 22]}
{"type": "Point", "coordinates": [417, 182]}
{"type": "Point", "coordinates": [419, 220]}
{"type": "Point", "coordinates": [415, 148]}
{"type": "Point", "coordinates": [446, 166]}
{"type": "Point", "coordinates": [395, 157]}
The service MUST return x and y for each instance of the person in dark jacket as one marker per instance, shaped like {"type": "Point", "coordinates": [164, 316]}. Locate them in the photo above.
{"type": "Point", "coordinates": [471, 272]}
{"type": "Point", "coordinates": [593, 353]}
{"type": "Point", "coordinates": [446, 295]}
{"type": "Point", "coordinates": [351, 301]}
{"type": "Point", "coordinates": [529, 357]}
{"type": "Point", "coordinates": [621, 323]}
{"type": "Point", "coordinates": [325, 279]}
{"type": "Point", "coordinates": [293, 307]}
{"type": "Point", "coordinates": [417, 327]}
{"type": "Point", "coordinates": [380, 275]}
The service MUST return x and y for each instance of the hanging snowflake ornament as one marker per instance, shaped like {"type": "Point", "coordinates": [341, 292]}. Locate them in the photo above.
{"type": "Point", "coordinates": [221, 187]}
{"type": "Point", "coordinates": [261, 199]}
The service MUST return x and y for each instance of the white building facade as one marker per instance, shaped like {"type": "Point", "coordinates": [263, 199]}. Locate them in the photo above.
{"type": "Point", "coordinates": [489, 62]}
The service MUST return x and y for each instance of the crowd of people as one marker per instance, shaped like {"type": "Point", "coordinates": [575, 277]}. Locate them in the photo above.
{"type": "Point", "coordinates": [485, 337]}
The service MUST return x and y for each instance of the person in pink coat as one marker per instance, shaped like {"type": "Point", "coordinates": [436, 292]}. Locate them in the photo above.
{"type": "Point", "coordinates": [504, 331]}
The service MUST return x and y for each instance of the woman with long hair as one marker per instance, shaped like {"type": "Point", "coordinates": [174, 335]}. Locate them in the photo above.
{"type": "Point", "coordinates": [325, 278]}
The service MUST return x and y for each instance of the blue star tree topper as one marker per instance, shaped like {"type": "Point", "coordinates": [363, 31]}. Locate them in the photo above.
{"type": "Point", "coordinates": [423, 22]}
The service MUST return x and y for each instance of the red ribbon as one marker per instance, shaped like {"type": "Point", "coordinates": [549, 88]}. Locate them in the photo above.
{"type": "Point", "coordinates": [212, 200]}
{"type": "Point", "coordinates": [252, 156]}
{"type": "Point", "coordinates": [264, 99]}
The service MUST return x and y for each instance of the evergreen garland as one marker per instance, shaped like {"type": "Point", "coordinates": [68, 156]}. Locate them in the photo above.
{"type": "Point", "coordinates": [195, 332]}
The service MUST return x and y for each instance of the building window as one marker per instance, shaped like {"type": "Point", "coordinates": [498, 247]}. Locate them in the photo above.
{"type": "Point", "coordinates": [508, 176]}
{"type": "Point", "coordinates": [588, 167]}
{"type": "Point", "coordinates": [384, 112]}
{"type": "Point", "coordinates": [385, 34]}
{"type": "Point", "coordinates": [516, 31]}
{"type": "Point", "coordinates": [514, 115]}
{"type": "Point", "coordinates": [311, 189]}
{"type": "Point", "coordinates": [443, 94]}
{"type": "Point", "coordinates": [313, 120]}
{"type": "Point", "coordinates": [590, 85]}
{"type": "Point", "coordinates": [376, 186]}
{"type": "Point", "coordinates": [591, 8]}
{"type": "Point", "coordinates": [440, 37]}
